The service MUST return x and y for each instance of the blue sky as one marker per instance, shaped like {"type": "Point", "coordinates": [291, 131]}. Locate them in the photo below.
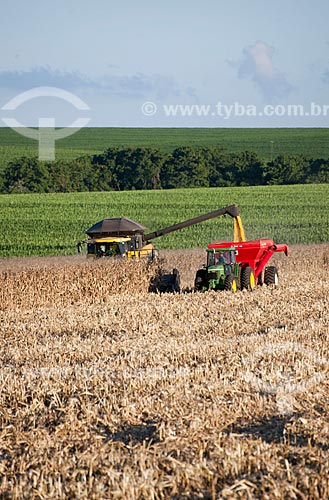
{"type": "Point", "coordinates": [116, 56]}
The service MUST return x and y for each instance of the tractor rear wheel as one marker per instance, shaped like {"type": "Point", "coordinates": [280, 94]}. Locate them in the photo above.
{"type": "Point", "coordinates": [200, 280]}
{"type": "Point", "coordinates": [247, 279]}
{"type": "Point", "coordinates": [230, 283]}
{"type": "Point", "coordinates": [271, 276]}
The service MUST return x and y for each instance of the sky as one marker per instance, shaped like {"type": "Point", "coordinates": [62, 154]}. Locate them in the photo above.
{"type": "Point", "coordinates": [169, 63]}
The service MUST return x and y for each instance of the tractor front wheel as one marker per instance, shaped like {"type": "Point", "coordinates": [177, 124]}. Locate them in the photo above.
{"type": "Point", "coordinates": [247, 279]}
{"type": "Point", "coordinates": [271, 276]}
{"type": "Point", "coordinates": [230, 283]}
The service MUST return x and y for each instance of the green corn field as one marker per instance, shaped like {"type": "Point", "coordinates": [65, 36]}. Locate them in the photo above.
{"type": "Point", "coordinates": [51, 224]}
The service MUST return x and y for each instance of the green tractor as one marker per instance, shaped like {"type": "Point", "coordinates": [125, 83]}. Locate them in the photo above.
{"type": "Point", "coordinates": [222, 272]}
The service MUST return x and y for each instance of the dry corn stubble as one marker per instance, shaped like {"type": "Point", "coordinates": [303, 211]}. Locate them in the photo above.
{"type": "Point", "coordinates": [116, 393]}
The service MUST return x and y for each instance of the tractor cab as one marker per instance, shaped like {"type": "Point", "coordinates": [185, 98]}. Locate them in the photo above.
{"type": "Point", "coordinates": [220, 272]}
{"type": "Point", "coordinates": [220, 257]}
{"type": "Point", "coordinates": [220, 264]}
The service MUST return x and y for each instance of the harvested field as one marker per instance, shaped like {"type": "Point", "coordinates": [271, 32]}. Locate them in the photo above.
{"type": "Point", "coordinates": [108, 391]}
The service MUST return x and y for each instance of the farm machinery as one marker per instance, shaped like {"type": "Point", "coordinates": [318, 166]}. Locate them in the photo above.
{"type": "Point", "coordinates": [118, 237]}
{"type": "Point", "coordinates": [122, 237]}
{"type": "Point", "coordinates": [238, 264]}
{"type": "Point", "coordinates": [241, 265]}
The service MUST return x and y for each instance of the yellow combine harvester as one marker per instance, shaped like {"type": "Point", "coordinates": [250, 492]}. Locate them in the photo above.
{"type": "Point", "coordinates": [122, 237]}
{"type": "Point", "coordinates": [118, 237]}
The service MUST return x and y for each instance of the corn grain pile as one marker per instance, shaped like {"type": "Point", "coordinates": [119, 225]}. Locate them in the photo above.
{"type": "Point", "coordinates": [108, 391]}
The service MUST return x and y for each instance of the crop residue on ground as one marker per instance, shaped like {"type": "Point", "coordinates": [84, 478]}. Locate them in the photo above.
{"type": "Point", "coordinates": [108, 391]}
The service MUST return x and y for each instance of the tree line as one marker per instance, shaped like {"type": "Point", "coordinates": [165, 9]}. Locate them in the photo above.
{"type": "Point", "coordinates": [129, 168]}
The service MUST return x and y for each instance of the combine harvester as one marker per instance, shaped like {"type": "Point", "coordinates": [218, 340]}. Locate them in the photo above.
{"type": "Point", "coordinates": [122, 237]}
{"type": "Point", "coordinates": [230, 265]}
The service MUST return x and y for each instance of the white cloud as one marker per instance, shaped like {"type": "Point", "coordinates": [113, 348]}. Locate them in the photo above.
{"type": "Point", "coordinates": [257, 64]}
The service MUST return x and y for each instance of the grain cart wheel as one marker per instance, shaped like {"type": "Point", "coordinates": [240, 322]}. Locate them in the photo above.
{"type": "Point", "coordinates": [230, 283]}
{"type": "Point", "coordinates": [200, 280]}
{"type": "Point", "coordinates": [271, 276]}
{"type": "Point", "coordinates": [247, 279]}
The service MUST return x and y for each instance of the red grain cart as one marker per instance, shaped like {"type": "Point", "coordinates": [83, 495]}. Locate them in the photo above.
{"type": "Point", "coordinates": [254, 255]}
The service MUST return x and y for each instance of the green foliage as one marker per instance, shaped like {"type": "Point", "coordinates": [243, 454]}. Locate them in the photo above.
{"type": "Point", "coordinates": [249, 169]}
{"type": "Point", "coordinates": [51, 224]}
{"type": "Point", "coordinates": [287, 169]}
{"type": "Point", "coordinates": [26, 175]}
{"type": "Point", "coordinates": [186, 167]}
{"type": "Point", "coordinates": [319, 171]}
{"type": "Point", "coordinates": [124, 169]}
